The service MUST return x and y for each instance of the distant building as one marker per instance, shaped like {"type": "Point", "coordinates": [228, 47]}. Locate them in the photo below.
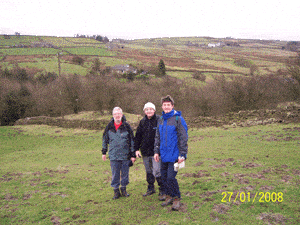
{"type": "Point", "coordinates": [118, 40]}
{"type": "Point", "coordinates": [124, 69]}
{"type": "Point", "coordinates": [214, 45]}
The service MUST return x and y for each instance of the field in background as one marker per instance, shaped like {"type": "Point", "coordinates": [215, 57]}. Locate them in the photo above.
{"type": "Point", "coordinates": [54, 175]}
{"type": "Point", "coordinates": [179, 54]}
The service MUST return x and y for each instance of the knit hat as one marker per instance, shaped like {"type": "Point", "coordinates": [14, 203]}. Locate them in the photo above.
{"type": "Point", "coordinates": [149, 105]}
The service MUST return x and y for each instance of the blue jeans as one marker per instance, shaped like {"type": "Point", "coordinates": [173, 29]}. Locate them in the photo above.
{"type": "Point", "coordinates": [120, 173]}
{"type": "Point", "coordinates": [169, 181]}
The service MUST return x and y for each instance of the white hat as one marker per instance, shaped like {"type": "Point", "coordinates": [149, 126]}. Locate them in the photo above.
{"type": "Point", "coordinates": [149, 105]}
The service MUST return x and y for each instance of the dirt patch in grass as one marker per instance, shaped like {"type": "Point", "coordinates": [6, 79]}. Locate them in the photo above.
{"type": "Point", "coordinates": [55, 220]}
{"type": "Point", "coordinates": [199, 163]}
{"type": "Point", "coordinates": [218, 165]}
{"type": "Point", "coordinates": [251, 165]}
{"type": "Point", "coordinates": [266, 188]}
{"type": "Point", "coordinates": [201, 173]}
{"type": "Point", "coordinates": [221, 208]}
{"type": "Point", "coordinates": [270, 218]}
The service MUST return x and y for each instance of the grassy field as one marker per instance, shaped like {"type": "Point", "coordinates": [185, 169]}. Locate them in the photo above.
{"type": "Point", "coordinates": [268, 56]}
{"type": "Point", "coordinates": [52, 175]}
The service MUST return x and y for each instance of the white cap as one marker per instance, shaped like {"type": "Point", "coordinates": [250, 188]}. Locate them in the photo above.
{"type": "Point", "coordinates": [149, 105]}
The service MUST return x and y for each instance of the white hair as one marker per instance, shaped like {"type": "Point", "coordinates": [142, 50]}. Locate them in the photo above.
{"type": "Point", "coordinates": [117, 109]}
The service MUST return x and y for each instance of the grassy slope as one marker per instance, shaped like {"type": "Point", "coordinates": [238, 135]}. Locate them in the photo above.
{"type": "Point", "coordinates": [53, 174]}
{"type": "Point", "coordinates": [268, 56]}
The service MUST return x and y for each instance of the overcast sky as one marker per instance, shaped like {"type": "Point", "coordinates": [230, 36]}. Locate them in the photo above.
{"type": "Point", "coordinates": [132, 19]}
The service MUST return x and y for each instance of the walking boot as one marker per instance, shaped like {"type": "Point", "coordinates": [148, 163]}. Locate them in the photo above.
{"type": "Point", "coordinates": [176, 204]}
{"type": "Point", "coordinates": [116, 194]}
{"type": "Point", "coordinates": [150, 190]}
{"type": "Point", "coordinates": [162, 197]}
{"type": "Point", "coordinates": [169, 201]}
{"type": "Point", "coordinates": [124, 192]}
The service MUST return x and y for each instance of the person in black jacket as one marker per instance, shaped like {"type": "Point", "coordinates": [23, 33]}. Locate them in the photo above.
{"type": "Point", "coordinates": [144, 141]}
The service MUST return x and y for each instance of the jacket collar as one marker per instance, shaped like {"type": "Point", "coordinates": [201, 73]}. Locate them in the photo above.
{"type": "Point", "coordinates": [168, 115]}
{"type": "Point", "coordinates": [152, 118]}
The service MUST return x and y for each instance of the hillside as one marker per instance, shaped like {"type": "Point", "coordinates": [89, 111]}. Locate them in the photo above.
{"type": "Point", "coordinates": [56, 76]}
{"type": "Point", "coordinates": [182, 55]}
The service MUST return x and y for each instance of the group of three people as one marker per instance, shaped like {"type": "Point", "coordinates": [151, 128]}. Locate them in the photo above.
{"type": "Point", "coordinates": [160, 140]}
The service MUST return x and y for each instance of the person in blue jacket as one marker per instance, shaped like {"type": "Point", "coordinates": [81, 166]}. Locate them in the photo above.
{"type": "Point", "coordinates": [119, 136]}
{"type": "Point", "coordinates": [171, 145]}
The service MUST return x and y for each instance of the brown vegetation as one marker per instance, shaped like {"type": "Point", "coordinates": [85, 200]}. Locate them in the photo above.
{"type": "Point", "coordinates": [24, 95]}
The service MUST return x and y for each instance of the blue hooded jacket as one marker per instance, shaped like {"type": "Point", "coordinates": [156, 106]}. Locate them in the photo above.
{"type": "Point", "coordinates": [171, 136]}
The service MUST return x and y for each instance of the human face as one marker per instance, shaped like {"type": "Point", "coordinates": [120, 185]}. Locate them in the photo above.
{"type": "Point", "coordinates": [117, 116]}
{"type": "Point", "coordinates": [149, 112]}
{"type": "Point", "coordinates": [167, 107]}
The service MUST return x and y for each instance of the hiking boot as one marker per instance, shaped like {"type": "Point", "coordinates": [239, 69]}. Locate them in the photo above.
{"type": "Point", "coordinates": [176, 204]}
{"type": "Point", "coordinates": [124, 192]}
{"type": "Point", "coordinates": [169, 201]}
{"type": "Point", "coordinates": [149, 192]}
{"type": "Point", "coordinates": [116, 194]}
{"type": "Point", "coordinates": [162, 197]}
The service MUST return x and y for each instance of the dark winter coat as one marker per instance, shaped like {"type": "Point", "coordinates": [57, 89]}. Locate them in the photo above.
{"type": "Point", "coordinates": [120, 142]}
{"type": "Point", "coordinates": [171, 137]}
{"type": "Point", "coordinates": [145, 135]}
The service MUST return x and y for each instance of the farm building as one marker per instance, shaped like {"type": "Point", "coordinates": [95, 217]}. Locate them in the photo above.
{"type": "Point", "coordinates": [124, 69]}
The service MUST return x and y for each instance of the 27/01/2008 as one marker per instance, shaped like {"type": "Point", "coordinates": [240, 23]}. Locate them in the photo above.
{"type": "Point", "coordinates": [248, 197]}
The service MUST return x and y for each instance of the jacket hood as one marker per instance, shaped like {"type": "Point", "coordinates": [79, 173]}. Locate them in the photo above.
{"type": "Point", "coordinates": [170, 114]}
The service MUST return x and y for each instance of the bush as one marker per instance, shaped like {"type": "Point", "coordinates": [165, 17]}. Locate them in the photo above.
{"type": "Point", "coordinates": [45, 78]}
{"type": "Point", "coordinates": [78, 60]}
{"type": "Point", "coordinates": [199, 76]}
{"type": "Point", "coordinates": [15, 103]}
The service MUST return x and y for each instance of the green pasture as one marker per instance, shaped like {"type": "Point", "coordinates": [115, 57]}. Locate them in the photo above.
{"type": "Point", "coordinates": [98, 51]}
{"type": "Point", "coordinates": [54, 175]}
{"type": "Point", "coordinates": [29, 51]}
{"type": "Point", "coordinates": [72, 42]}
{"type": "Point", "coordinates": [18, 40]}
{"type": "Point", "coordinates": [50, 64]}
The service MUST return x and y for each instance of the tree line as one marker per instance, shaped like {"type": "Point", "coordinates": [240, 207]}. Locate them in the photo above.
{"type": "Point", "coordinates": [26, 94]}
{"type": "Point", "coordinates": [97, 37]}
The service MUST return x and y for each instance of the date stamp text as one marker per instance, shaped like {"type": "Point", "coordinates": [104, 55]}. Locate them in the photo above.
{"type": "Point", "coordinates": [252, 197]}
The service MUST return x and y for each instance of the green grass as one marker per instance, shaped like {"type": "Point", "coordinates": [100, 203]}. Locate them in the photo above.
{"type": "Point", "coordinates": [50, 64]}
{"type": "Point", "coordinates": [29, 51]}
{"type": "Point", "coordinates": [268, 56]}
{"type": "Point", "coordinates": [99, 51]}
{"type": "Point", "coordinates": [17, 40]}
{"type": "Point", "coordinates": [50, 174]}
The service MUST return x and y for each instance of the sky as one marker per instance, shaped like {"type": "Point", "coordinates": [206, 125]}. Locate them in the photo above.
{"type": "Point", "coordinates": [136, 19]}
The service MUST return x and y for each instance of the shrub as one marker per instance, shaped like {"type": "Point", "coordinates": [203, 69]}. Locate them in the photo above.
{"type": "Point", "coordinates": [78, 60]}
{"type": "Point", "coordinates": [199, 76]}
{"type": "Point", "coordinates": [45, 78]}
{"type": "Point", "coordinates": [161, 68]}
{"type": "Point", "coordinates": [15, 103]}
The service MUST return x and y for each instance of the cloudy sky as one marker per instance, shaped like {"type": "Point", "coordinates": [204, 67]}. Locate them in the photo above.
{"type": "Point", "coordinates": [131, 19]}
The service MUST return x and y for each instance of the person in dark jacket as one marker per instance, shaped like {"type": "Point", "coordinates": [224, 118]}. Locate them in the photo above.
{"type": "Point", "coordinates": [119, 136]}
{"type": "Point", "coordinates": [171, 145]}
{"type": "Point", "coordinates": [144, 141]}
